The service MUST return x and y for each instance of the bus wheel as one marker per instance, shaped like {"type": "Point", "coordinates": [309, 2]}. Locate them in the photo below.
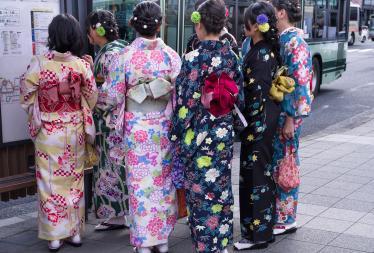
{"type": "Point", "coordinates": [315, 83]}
{"type": "Point", "coordinates": [351, 40]}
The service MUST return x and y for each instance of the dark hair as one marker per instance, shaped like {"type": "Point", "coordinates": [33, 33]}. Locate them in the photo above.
{"type": "Point", "coordinates": [213, 15]}
{"type": "Point", "coordinates": [271, 36]}
{"type": "Point", "coordinates": [107, 21]}
{"type": "Point", "coordinates": [198, 3]}
{"type": "Point", "coordinates": [146, 18]}
{"type": "Point", "coordinates": [64, 34]}
{"type": "Point", "coordinates": [292, 7]}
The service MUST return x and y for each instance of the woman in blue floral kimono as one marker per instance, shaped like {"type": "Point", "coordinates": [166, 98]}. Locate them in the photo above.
{"type": "Point", "coordinates": [110, 191]}
{"type": "Point", "coordinates": [204, 137]}
{"type": "Point", "coordinates": [295, 106]}
{"type": "Point", "coordinates": [256, 184]}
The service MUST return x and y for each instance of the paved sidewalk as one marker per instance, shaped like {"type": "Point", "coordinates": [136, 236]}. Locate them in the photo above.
{"type": "Point", "coordinates": [336, 209]}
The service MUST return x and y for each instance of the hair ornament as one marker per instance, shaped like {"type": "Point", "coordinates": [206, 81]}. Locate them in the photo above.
{"type": "Point", "coordinates": [156, 20]}
{"type": "Point", "coordinates": [145, 26]}
{"type": "Point", "coordinates": [135, 18]}
{"type": "Point", "coordinates": [99, 29]}
{"type": "Point", "coordinates": [262, 21]}
{"type": "Point", "coordinates": [195, 17]}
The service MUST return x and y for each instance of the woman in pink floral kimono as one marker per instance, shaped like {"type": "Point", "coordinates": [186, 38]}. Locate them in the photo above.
{"type": "Point", "coordinates": [58, 92]}
{"type": "Point", "coordinates": [142, 82]}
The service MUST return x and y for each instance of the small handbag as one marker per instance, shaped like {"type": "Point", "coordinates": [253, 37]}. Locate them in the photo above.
{"type": "Point", "coordinates": [92, 156]}
{"type": "Point", "coordinates": [281, 85]}
{"type": "Point", "coordinates": [288, 175]}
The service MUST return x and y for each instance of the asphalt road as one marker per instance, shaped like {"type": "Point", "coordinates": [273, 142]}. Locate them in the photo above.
{"type": "Point", "coordinates": [350, 95]}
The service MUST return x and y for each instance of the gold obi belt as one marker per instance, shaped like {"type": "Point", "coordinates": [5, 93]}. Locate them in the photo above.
{"type": "Point", "coordinates": [149, 97]}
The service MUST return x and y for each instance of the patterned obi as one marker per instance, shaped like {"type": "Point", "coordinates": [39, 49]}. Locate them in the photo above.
{"type": "Point", "coordinates": [62, 117]}
{"type": "Point", "coordinates": [149, 97]}
{"type": "Point", "coordinates": [60, 95]}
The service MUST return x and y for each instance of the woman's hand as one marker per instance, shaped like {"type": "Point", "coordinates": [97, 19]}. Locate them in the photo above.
{"type": "Point", "coordinates": [88, 59]}
{"type": "Point", "coordinates": [289, 128]}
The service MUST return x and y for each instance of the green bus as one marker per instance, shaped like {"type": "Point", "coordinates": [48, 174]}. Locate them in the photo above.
{"type": "Point", "coordinates": [325, 24]}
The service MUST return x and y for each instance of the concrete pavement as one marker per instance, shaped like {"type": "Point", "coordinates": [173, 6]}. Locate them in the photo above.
{"type": "Point", "coordinates": [336, 209]}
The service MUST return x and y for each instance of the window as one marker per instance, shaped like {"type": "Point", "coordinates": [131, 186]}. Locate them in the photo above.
{"type": "Point", "coordinates": [122, 10]}
{"type": "Point", "coordinates": [353, 14]}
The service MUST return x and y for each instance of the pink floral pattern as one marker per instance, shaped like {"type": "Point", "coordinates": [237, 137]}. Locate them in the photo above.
{"type": "Point", "coordinates": [152, 200]}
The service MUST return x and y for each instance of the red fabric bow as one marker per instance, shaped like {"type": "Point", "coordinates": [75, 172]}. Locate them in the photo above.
{"type": "Point", "coordinates": [219, 94]}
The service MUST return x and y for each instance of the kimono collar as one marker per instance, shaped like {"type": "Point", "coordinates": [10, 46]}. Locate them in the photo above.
{"type": "Point", "coordinates": [57, 56]}
{"type": "Point", "coordinates": [292, 29]}
{"type": "Point", "coordinates": [110, 45]}
{"type": "Point", "coordinates": [214, 44]}
{"type": "Point", "coordinates": [143, 43]}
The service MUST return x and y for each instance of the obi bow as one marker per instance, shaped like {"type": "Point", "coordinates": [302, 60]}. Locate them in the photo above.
{"type": "Point", "coordinates": [281, 85]}
{"type": "Point", "coordinates": [154, 89]}
{"type": "Point", "coordinates": [219, 94]}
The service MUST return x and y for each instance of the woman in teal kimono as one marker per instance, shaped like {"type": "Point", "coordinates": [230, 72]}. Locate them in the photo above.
{"type": "Point", "coordinates": [295, 55]}
{"type": "Point", "coordinates": [110, 191]}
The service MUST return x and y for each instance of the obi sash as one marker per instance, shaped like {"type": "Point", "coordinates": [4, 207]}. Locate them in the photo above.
{"type": "Point", "coordinates": [148, 97]}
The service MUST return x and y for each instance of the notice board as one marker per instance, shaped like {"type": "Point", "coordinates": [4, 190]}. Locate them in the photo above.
{"type": "Point", "coordinates": [23, 33]}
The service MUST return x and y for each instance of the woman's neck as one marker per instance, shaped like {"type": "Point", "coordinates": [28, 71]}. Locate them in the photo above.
{"type": "Point", "coordinates": [282, 26]}
{"type": "Point", "coordinates": [102, 42]}
{"type": "Point", "coordinates": [257, 38]}
{"type": "Point", "coordinates": [211, 37]}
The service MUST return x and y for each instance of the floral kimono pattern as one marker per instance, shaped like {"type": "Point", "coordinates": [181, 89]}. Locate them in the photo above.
{"type": "Point", "coordinates": [58, 92]}
{"type": "Point", "coordinates": [204, 146]}
{"type": "Point", "coordinates": [110, 198]}
{"type": "Point", "coordinates": [256, 184]}
{"type": "Point", "coordinates": [296, 56]}
{"type": "Point", "coordinates": [147, 154]}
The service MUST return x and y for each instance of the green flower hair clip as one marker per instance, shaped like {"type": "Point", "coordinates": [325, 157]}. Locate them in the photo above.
{"type": "Point", "coordinates": [195, 17]}
{"type": "Point", "coordinates": [100, 29]}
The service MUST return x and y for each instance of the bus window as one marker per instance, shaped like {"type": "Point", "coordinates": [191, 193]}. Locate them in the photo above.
{"type": "Point", "coordinates": [353, 14]}
{"type": "Point", "coordinates": [342, 20]}
{"type": "Point", "coordinates": [333, 19]}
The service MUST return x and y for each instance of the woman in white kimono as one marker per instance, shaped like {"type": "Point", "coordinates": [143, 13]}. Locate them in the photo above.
{"type": "Point", "coordinates": [142, 83]}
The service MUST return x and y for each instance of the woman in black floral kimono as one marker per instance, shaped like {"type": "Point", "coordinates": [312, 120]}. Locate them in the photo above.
{"type": "Point", "coordinates": [203, 136]}
{"type": "Point", "coordinates": [256, 186]}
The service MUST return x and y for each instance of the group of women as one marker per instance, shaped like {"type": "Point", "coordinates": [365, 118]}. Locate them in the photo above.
{"type": "Point", "coordinates": [161, 123]}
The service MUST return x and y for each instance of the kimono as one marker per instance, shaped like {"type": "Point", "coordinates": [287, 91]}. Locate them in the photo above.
{"type": "Point", "coordinates": [256, 184]}
{"type": "Point", "coordinates": [204, 146]}
{"type": "Point", "coordinates": [295, 54]}
{"type": "Point", "coordinates": [147, 153]}
{"type": "Point", "coordinates": [110, 198]}
{"type": "Point", "coordinates": [58, 92]}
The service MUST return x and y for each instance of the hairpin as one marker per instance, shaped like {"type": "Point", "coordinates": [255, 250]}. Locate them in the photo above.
{"type": "Point", "coordinates": [99, 29]}
{"type": "Point", "coordinates": [262, 21]}
{"type": "Point", "coordinates": [195, 17]}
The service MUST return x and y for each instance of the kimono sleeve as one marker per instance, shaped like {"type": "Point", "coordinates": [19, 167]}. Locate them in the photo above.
{"type": "Point", "coordinates": [254, 92]}
{"type": "Point", "coordinates": [297, 58]}
{"type": "Point", "coordinates": [89, 88]}
{"type": "Point", "coordinates": [112, 91]}
{"type": "Point", "coordinates": [29, 85]}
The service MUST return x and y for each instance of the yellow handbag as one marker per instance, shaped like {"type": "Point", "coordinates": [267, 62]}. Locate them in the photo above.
{"type": "Point", "coordinates": [281, 85]}
{"type": "Point", "coordinates": [92, 156]}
